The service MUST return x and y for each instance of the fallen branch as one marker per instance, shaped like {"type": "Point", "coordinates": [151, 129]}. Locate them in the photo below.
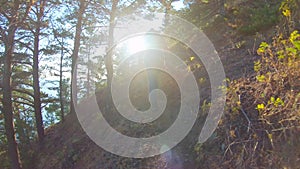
{"type": "Point", "coordinates": [245, 114]}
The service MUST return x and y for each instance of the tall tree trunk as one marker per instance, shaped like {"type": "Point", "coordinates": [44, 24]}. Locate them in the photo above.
{"type": "Point", "coordinates": [61, 99]}
{"type": "Point", "coordinates": [36, 87]}
{"type": "Point", "coordinates": [14, 18]}
{"type": "Point", "coordinates": [82, 7]}
{"type": "Point", "coordinates": [35, 71]}
{"type": "Point", "coordinates": [7, 100]}
{"type": "Point", "coordinates": [108, 58]}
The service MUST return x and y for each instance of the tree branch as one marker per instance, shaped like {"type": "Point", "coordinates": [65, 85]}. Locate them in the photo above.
{"type": "Point", "coordinates": [26, 45]}
{"type": "Point", "coordinates": [244, 113]}
{"type": "Point", "coordinates": [21, 102]}
{"type": "Point", "coordinates": [24, 92]}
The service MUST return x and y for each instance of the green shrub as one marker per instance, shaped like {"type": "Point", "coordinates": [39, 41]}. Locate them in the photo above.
{"type": "Point", "coordinates": [258, 17]}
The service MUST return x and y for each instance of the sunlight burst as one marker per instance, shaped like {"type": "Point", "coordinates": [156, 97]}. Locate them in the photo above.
{"type": "Point", "coordinates": [136, 44]}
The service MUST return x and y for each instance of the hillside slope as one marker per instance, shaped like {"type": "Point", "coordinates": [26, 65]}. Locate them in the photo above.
{"type": "Point", "coordinates": [67, 146]}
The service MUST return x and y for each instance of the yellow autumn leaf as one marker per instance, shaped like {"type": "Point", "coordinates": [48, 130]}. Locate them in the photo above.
{"type": "Point", "coordinates": [192, 58]}
{"type": "Point", "coordinates": [286, 13]}
{"type": "Point", "coordinates": [232, 133]}
{"type": "Point", "coordinates": [270, 136]}
{"type": "Point", "coordinates": [260, 106]}
{"type": "Point", "coordinates": [255, 136]}
{"type": "Point", "coordinates": [189, 68]}
{"type": "Point", "coordinates": [201, 80]}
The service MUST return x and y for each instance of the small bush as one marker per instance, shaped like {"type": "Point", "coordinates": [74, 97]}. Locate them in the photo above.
{"type": "Point", "coordinates": [261, 125]}
{"type": "Point", "coordinates": [263, 111]}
